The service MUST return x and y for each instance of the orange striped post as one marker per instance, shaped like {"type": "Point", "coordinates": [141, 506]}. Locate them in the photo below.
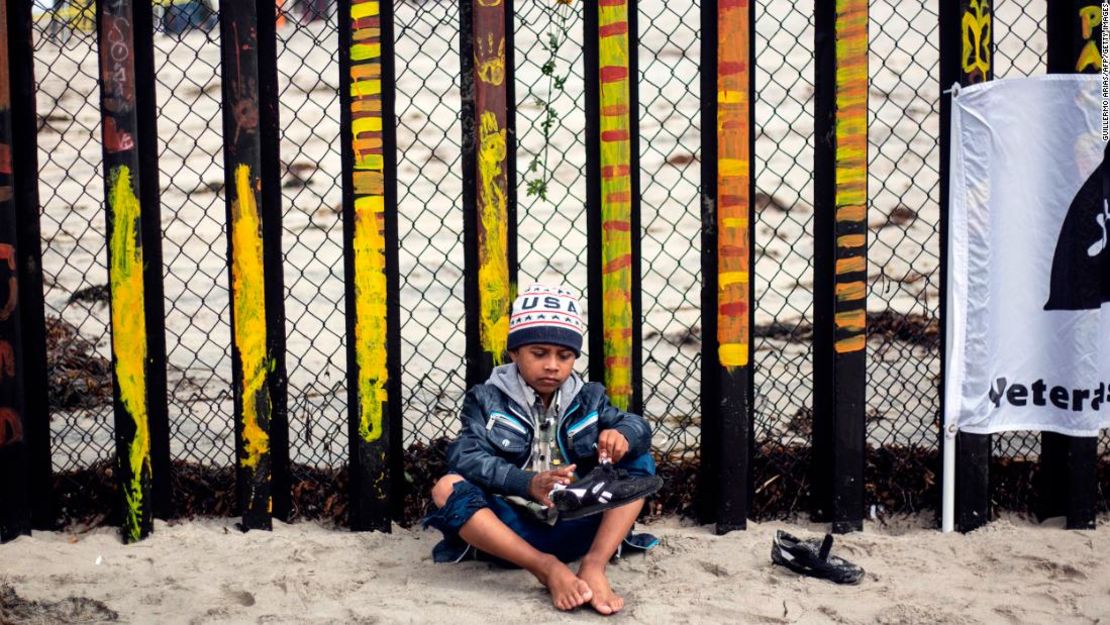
{"type": "Point", "coordinates": [612, 201]}
{"type": "Point", "coordinates": [840, 262]}
{"type": "Point", "coordinates": [727, 293]}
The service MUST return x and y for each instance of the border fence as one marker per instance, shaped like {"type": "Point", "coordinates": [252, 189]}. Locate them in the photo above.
{"type": "Point", "coordinates": [262, 249]}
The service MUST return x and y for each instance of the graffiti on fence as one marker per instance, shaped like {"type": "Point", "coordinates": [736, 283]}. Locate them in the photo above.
{"type": "Point", "coordinates": [11, 425]}
{"type": "Point", "coordinates": [976, 52]}
{"type": "Point", "coordinates": [733, 183]}
{"type": "Point", "coordinates": [491, 116]}
{"type": "Point", "coordinates": [116, 63]}
{"type": "Point", "coordinates": [249, 311]}
{"type": "Point", "coordinates": [1090, 27]}
{"type": "Point", "coordinates": [7, 360]}
{"type": "Point", "coordinates": [369, 222]}
{"type": "Point", "coordinates": [7, 254]}
{"type": "Point", "coordinates": [129, 335]}
{"type": "Point", "coordinates": [851, 175]}
{"type": "Point", "coordinates": [616, 198]}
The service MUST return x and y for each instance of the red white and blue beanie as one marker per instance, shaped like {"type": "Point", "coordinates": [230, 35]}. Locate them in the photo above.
{"type": "Point", "coordinates": [546, 314]}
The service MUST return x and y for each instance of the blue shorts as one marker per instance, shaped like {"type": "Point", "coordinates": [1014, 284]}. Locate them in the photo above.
{"type": "Point", "coordinates": [566, 540]}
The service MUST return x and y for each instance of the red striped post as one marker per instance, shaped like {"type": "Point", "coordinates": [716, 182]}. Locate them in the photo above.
{"type": "Point", "coordinates": [612, 201]}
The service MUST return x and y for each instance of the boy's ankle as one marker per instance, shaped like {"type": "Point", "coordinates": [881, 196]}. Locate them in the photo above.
{"type": "Point", "coordinates": [593, 562]}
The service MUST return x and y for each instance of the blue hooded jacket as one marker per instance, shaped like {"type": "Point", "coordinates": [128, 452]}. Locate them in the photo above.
{"type": "Point", "coordinates": [494, 444]}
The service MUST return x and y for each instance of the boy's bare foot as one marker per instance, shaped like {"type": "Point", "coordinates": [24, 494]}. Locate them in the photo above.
{"type": "Point", "coordinates": [604, 600]}
{"type": "Point", "coordinates": [567, 591]}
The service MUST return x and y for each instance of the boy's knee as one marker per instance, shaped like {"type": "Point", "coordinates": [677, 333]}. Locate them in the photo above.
{"type": "Point", "coordinates": [444, 487]}
{"type": "Point", "coordinates": [638, 466]}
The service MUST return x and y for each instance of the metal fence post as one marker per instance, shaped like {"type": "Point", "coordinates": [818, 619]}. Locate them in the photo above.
{"type": "Point", "coordinates": [728, 192]}
{"type": "Point", "coordinates": [15, 508]}
{"type": "Point", "coordinates": [489, 179]}
{"type": "Point", "coordinates": [370, 260]}
{"type": "Point", "coordinates": [840, 261]}
{"type": "Point", "coordinates": [1068, 463]}
{"type": "Point", "coordinates": [151, 218]}
{"type": "Point", "coordinates": [25, 173]}
{"type": "Point", "coordinates": [966, 57]}
{"type": "Point", "coordinates": [131, 269]}
{"type": "Point", "coordinates": [253, 197]}
{"type": "Point", "coordinates": [613, 199]}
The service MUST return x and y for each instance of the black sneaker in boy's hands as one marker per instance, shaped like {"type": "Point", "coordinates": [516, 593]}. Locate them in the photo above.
{"type": "Point", "coordinates": [602, 489]}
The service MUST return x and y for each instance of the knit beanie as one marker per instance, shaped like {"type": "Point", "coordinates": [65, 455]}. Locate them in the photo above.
{"type": "Point", "coordinates": [546, 314]}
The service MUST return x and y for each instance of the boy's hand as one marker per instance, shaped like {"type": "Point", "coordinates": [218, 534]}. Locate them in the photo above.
{"type": "Point", "coordinates": [611, 444]}
{"type": "Point", "coordinates": [543, 482]}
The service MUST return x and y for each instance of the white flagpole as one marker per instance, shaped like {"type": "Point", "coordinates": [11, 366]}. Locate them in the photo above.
{"type": "Point", "coordinates": [948, 484]}
{"type": "Point", "coordinates": [948, 487]}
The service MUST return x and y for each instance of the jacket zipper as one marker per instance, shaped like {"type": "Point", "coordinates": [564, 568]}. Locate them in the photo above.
{"type": "Point", "coordinates": [559, 428]}
{"type": "Point", "coordinates": [581, 425]}
{"type": "Point", "coordinates": [507, 420]}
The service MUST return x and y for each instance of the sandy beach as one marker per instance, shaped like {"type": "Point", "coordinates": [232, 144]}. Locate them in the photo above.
{"type": "Point", "coordinates": [206, 571]}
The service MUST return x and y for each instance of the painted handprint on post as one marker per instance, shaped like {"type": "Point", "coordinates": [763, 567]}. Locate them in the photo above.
{"type": "Point", "coordinates": [489, 58]}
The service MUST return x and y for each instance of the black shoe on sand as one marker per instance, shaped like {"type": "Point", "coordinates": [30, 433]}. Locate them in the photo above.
{"type": "Point", "coordinates": [602, 489]}
{"type": "Point", "coordinates": [811, 557]}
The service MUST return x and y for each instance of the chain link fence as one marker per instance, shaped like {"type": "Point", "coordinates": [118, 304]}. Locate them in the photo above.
{"type": "Point", "coordinates": [903, 347]}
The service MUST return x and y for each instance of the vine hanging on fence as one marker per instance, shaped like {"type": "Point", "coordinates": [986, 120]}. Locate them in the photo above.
{"type": "Point", "coordinates": [556, 81]}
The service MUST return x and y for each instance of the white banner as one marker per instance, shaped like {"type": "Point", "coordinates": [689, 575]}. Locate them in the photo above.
{"type": "Point", "coordinates": [1029, 261]}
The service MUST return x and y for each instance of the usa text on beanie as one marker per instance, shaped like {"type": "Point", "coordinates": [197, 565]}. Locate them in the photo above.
{"type": "Point", "coordinates": [546, 314]}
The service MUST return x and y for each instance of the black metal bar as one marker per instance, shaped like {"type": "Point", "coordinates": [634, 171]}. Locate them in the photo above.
{"type": "Point", "coordinates": [1067, 483]}
{"type": "Point", "coordinates": [728, 187]}
{"type": "Point", "coordinates": [595, 339]}
{"type": "Point", "coordinates": [25, 172]}
{"type": "Point", "coordinates": [966, 55]}
{"type": "Point", "coordinates": [273, 262]}
{"type": "Point", "coordinates": [150, 200]}
{"type": "Point", "coordinates": [478, 365]}
{"type": "Point", "coordinates": [394, 419]}
{"type": "Point", "coordinates": [636, 398]}
{"type": "Point", "coordinates": [15, 506]}
{"type": "Point", "coordinates": [709, 460]}
{"type": "Point", "coordinates": [612, 199]}
{"type": "Point", "coordinates": [254, 255]}
{"type": "Point", "coordinates": [840, 262]}
{"type": "Point", "coordinates": [370, 258]}
{"type": "Point", "coordinates": [489, 185]}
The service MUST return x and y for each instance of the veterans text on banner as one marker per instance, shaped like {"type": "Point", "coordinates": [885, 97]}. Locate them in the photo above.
{"type": "Point", "coordinates": [1029, 260]}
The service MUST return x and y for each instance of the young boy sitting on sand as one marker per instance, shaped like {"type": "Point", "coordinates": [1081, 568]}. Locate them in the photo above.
{"type": "Point", "coordinates": [524, 435]}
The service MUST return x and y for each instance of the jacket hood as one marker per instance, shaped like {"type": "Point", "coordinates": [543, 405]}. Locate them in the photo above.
{"type": "Point", "coordinates": [507, 379]}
